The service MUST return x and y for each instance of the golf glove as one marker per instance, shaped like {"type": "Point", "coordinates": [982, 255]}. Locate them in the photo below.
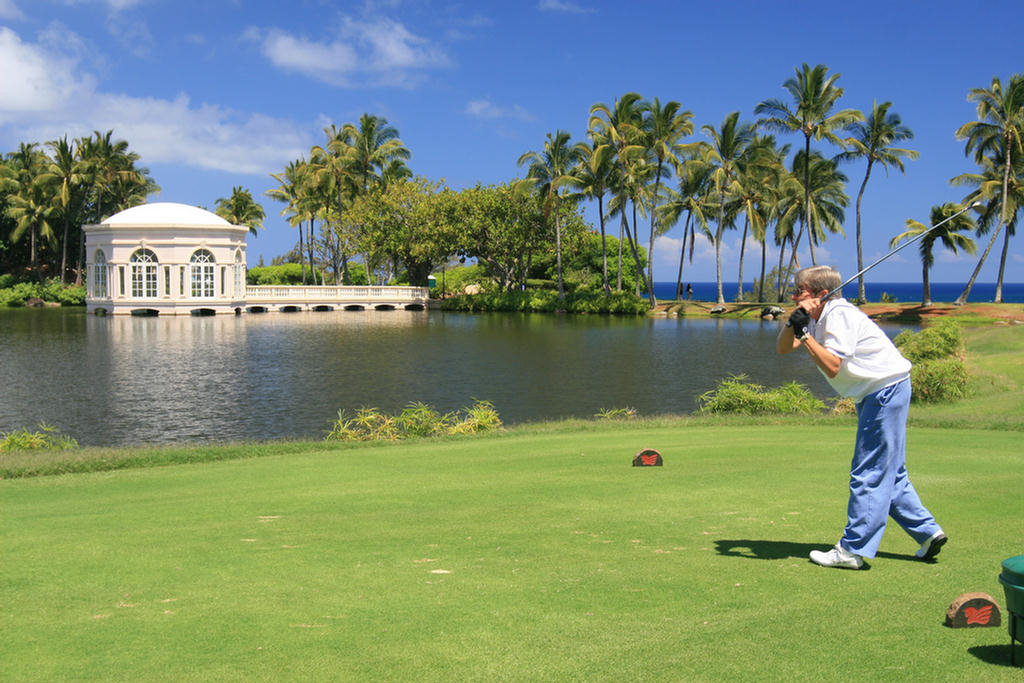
{"type": "Point", "coordinates": [799, 319]}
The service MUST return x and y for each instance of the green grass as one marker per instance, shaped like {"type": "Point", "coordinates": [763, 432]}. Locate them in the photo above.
{"type": "Point", "coordinates": [537, 555]}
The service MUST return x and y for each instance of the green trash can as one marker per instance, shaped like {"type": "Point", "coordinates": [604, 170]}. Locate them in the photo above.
{"type": "Point", "coordinates": [1012, 579]}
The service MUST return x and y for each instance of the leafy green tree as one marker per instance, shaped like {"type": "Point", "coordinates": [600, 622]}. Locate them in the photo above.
{"type": "Point", "coordinates": [873, 139]}
{"type": "Point", "coordinates": [550, 170]}
{"type": "Point", "coordinates": [408, 223]}
{"type": "Point", "coordinates": [996, 133]}
{"type": "Point", "coordinates": [241, 209]}
{"type": "Point", "coordinates": [30, 206]}
{"type": "Point", "coordinates": [502, 227]}
{"type": "Point", "coordinates": [814, 94]}
{"type": "Point", "coordinates": [948, 234]}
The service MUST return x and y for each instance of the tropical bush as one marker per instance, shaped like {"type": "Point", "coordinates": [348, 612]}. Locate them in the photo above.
{"type": "Point", "coordinates": [47, 438]}
{"type": "Point", "coordinates": [939, 373]}
{"type": "Point", "coordinates": [547, 301]}
{"type": "Point", "coordinates": [735, 394]}
{"type": "Point", "coordinates": [625, 413]}
{"type": "Point", "coordinates": [417, 420]}
{"type": "Point", "coordinates": [51, 290]}
{"type": "Point", "coordinates": [455, 280]}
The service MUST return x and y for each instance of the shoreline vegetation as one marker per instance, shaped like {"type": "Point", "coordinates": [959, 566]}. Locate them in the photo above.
{"type": "Point", "coordinates": [991, 358]}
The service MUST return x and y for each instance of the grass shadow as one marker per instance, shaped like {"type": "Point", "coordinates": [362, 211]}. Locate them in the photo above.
{"type": "Point", "coordinates": [997, 654]}
{"type": "Point", "coordinates": [783, 550]}
{"type": "Point", "coordinates": [766, 550]}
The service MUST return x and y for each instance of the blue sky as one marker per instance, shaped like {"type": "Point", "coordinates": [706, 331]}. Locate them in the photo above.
{"type": "Point", "coordinates": [218, 93]}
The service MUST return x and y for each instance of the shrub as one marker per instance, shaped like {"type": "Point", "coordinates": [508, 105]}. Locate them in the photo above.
{"type": "Point", "coordinates": [939, 380]}
{"type": "Point", "coordinates": [939, 373]}
{"type": "Point", "coordinates": [546, 301]}
{"type": "Point", "coordinates": [7, 280]}
{"type": "Point", "coordinates": [47, 438]}
{"type": "Point", "coordinates": [736, 395]}
{"type": "Point", "coordinates": [627, 413]}
{"type": "Point", "coordinates": [416, 420]}
{"type": "Point", "coordinates": [940, 340]}
{"type": "Point", "coordinates": [51, 290]}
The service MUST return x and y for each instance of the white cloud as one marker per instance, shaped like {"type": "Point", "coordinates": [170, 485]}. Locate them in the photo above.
{"type": "Point", "coordinates": [9, 11]}
{"type": "Point", "coordinates": [380, 52]}
{"type": "Point", "coordinates": [485, 109]}
{"type": "Point", "coordinates": [45, 95]}
{"type": "Point", "coordinates": [563, 6]}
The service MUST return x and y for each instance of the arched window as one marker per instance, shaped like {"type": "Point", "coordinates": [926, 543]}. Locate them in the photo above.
{"type": "Point", "coordinates": [99, 275]}
{"type": "Point", "coordinates": [143, 273]}
{"type": "Point", "coordinates": [239, 276]}
{"type": "Point", "coordinates": [202, 273]}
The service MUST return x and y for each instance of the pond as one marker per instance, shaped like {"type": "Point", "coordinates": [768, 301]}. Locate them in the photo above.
{"type": "Point", "coordinates": [128, 380]}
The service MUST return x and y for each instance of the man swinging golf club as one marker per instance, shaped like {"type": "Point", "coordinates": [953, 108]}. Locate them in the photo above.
{"type": "Point", "coordinates": [860, 362]}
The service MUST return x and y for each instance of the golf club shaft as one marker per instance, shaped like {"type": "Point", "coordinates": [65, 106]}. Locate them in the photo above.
{"type": "Point", "coordinates": [905, 244]}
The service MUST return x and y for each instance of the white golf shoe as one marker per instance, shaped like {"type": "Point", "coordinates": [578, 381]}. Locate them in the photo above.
{"type": "Point", "coordinates": [930, 548]}
{"type": "Point", "coordinates": [838, 557]}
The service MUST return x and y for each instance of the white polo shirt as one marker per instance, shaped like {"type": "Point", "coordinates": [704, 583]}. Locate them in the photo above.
{"type": "Point", "coordinates": [870, 361]}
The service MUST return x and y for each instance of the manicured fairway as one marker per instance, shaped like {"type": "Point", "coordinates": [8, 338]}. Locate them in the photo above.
{"type": "Point", "coordinates": [538, 555]}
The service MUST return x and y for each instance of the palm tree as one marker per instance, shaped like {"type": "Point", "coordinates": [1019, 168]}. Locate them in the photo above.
{"type": "Point", "coordinates": [693, 198]}
{"type": "Point", "coordinates": [241, 209]}
{"type": "Point", "coordinates": [824, 201]}
{"type": "Point", "coordinates": [374, 146]}
{"type": "Point", "coordinates": [873, 139]}
{"type": "Point", "coordinates": [663, 128]}
{"type": "Point", "coordinates": [989, 193]}
{"type": "Point", "coordinates": [64, 168]}
{"type": "Point", "coordinates": [592, 177]}
{"type": "Point", "coordinates": [620, 127]}
{"type": "Point", "coordinates": [289, 191]}
{"type": "Point", "coordinates": [997, 132]}
{"type": "Point", "coordinates": [753, 182]}
{"type": "Point", "coordinates": [814, 95]}
{"type": "Point", "coordinates": [728, 145]}
{"type": "Point", "coordinates": [108, 167]}
{"type": "Point", "coordinates": [33, 212]}
{"type": "Point", "coordinates": [550, 170]}
{"type": "Point", "coordinates": [948, 234]}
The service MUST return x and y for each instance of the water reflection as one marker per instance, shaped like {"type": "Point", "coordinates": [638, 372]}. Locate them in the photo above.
{"type": "Point", "coordinates": [109, 381]}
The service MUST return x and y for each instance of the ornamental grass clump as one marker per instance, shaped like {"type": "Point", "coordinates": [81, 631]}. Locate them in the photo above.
{"type": "Point", "coordinates": [417, 420]}
{"type": "Point", "coordinates": [46, 439]}
{"type": "Point", "coordinates": [939, 373]}
{"type": "Point", "coordinates": [738, 396]}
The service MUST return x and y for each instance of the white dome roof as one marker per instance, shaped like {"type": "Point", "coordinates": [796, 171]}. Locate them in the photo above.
{"type": "Point", "coordinates": [165, 213]}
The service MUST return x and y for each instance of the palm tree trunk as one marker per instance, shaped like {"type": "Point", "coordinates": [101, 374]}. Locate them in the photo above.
{"type": "Point", "coordinates": [682, 258]}
{"type": "Point", "coordinates": [782, 251]}
{"type": "Point", "coordinates": [962, 299]}
{"type": "Point", "coordinates": [764, 256]}
{"type": "Point", "coordinates": [64, 251]}
{"type": "Point", "coordinates": [650, 243]}
{"type": "Point", "coordinates": [302, 253]}
{"type": "Point", "coordinates": [926, 290]}
{"type": "Point", "coordinates": [861, 296]}
{"type": "Point", "coordinates": [1002, 267]}
{"type": "Point", "coordinates": [558, 251]}
{"type": "Point", "coordinates": [718, 246]}
{"type": "Point", "coordinates": [309, 248]}
{"type": "Point", "coordinates": [622, 222]}
{"type": "Point", "coordinates": [604, 244]}
{"type": "Point", "coordinates": [743, 246]}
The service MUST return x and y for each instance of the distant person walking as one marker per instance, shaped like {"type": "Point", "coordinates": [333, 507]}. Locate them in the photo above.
{"type": "Point", "coordinates": [689, 291]}
{"type": "Point", "coordinates": [861, 362]}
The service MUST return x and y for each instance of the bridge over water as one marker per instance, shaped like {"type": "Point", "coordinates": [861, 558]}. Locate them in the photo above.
{"type": "Point", "coordinates": [286, 298]}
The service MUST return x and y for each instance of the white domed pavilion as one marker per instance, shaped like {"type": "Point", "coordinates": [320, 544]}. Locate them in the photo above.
{"type": "Point", "coordinates": [166, 258]}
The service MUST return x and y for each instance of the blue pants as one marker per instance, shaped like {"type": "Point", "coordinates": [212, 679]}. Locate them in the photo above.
{"type": "Point", "coordinates": [879, 485]}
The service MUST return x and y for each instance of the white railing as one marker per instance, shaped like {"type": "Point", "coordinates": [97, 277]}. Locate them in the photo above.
{"type": "Point", "coordinates": [334, 293]}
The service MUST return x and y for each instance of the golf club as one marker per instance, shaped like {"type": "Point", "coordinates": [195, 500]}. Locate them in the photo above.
{"type": "Point", "coordinates": [905, 244]}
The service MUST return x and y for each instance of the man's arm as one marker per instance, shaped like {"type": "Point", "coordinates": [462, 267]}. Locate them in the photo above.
{"type": "Point", "coordinates": [822, 357]}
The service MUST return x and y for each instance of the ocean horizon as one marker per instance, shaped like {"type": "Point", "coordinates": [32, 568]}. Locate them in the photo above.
{"type": "Point", "coordinates": [902, 292]}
